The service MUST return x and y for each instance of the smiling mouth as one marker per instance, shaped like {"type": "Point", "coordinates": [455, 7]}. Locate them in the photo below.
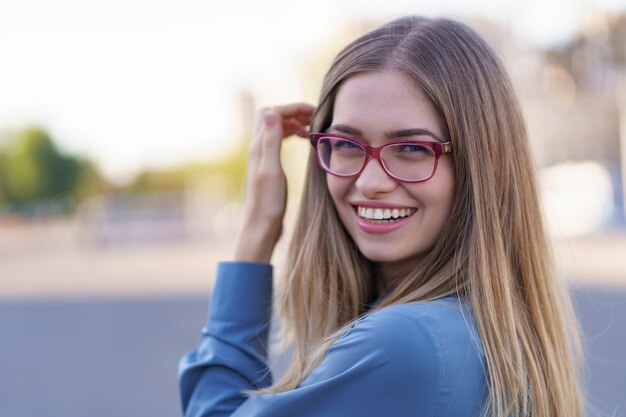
{"type": "Point", "coordinates": [384, 215]}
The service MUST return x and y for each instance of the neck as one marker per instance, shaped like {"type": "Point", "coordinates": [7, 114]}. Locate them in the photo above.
{"type": "Point", "coordinates": [388, 276]}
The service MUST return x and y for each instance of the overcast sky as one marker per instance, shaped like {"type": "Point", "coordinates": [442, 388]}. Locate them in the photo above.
{"type": "Point", "coordinates": [143, 83]}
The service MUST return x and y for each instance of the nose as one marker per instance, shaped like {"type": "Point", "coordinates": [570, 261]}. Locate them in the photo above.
{"type": "Point", "coordinates": [373, 180]}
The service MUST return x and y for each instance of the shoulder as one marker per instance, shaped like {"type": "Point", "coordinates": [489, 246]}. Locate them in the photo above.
{"type": "Point", "coordinates": [433, 325]}
{"type": "Point", "coordinates": [430, 348]}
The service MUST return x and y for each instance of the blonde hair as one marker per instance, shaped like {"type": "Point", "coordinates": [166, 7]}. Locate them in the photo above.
{"type": "Point", "coordinates": [493, 252]}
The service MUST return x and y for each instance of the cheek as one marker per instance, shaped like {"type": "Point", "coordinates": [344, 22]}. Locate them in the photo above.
{"type": "Point", "coordinates": [445, 197]}
{"type": "Point", "coordinates": [436, 195]}
{"type": "Point", "coordinates": [338, 188]}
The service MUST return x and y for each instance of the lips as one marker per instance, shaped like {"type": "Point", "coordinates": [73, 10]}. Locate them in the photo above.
{"type": "Point", "coordinates": [381, 218]}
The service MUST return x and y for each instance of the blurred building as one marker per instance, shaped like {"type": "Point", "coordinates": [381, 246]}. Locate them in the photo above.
{"type": "Point", "coordinates": [574, 100]}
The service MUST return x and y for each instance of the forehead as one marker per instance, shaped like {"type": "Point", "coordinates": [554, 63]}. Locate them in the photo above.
{"type": "Point", "coordinates": [379, 101]}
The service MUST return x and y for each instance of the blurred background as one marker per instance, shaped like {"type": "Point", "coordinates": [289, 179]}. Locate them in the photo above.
{"type": "Point", "coordinates": [123, 134]}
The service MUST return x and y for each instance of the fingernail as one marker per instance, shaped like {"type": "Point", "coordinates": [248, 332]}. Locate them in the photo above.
{"type": "Point", "coordinates": [270, 119]}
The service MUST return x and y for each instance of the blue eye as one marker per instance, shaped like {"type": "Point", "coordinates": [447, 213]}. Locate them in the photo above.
{"type": "Point", "coordinates": [413, 148]}
{"type": "Point", "coordinates": [409, 152]}
{"type": "Point", "coordinates": [344, 144]}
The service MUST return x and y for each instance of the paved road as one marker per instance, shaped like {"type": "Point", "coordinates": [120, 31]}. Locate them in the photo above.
{"type": "Point", "coordinates": [118, 357]}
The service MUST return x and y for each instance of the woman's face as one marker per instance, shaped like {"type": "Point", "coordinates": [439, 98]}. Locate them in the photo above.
{"type": "Point", "coordinates": [375, 107]}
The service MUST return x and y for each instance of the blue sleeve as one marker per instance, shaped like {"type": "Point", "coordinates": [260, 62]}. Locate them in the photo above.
{"type": "Point", "coordinates": [398, 361]}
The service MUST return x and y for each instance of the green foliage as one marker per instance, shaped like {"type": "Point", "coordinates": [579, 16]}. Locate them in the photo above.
{"type": "Point", "coordinates": [4, 190]}
{"type": "Point", "coordinates": [35, 174]}
{"type": "Point", "coordinates": [225, 177]}
{"type": "Point", "coordinates": [33, 171]}
{"type": "Point", "coordinates": [90, 182]}
{"type": "Point", "coordinates": [158, 181]}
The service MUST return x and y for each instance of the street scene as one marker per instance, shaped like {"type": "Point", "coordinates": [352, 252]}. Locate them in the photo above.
{"type": "Point", "coordinates": [99, 330]}
{"type": "Point", "coordinates": [125, 133]}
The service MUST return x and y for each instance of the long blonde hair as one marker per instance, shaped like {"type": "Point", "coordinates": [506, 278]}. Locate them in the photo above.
{"type": "Point", "coordinates": [493, 252]}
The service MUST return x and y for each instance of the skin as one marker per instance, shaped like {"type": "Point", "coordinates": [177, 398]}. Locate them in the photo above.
{"type": "Point", "coordinates": [266, 196]}
{"type": "Point", "coordinates": [372, 106]}
{"type": "Point", "coordinates": [368, 106]}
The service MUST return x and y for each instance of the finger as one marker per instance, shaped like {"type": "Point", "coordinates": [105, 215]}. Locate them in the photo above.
{"type": "Point", "coordinates": [305, 118]}
{"type": "Point", "coordinates": [296, 126]}
{"type": "Point", "coordinates": [300, 112]}
{"type": "Point", "coordinates": [303, 133]}
{"type": "Point", "coordinates": [255, 145]}
{"type": "Point", "coordinates": [270, 143]}
{"type": "Point", "coordinates": [292, 126]}
{"type": "Point", "coordinates": [298, 129]}
{"type": "Point", "coordinates": [295, 117]}
{"type": "Point", "coordinates": [295, 109]}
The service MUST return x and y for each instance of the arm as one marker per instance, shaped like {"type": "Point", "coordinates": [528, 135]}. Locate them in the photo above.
{"type": "Point", "coordinates": [231, 356]}
{"type": "Point", "coordinates": [266, 193]}
{"type": "Point", "coordinates": [390, 363]}
{"type": "Point", "coordinates": [224, 342]}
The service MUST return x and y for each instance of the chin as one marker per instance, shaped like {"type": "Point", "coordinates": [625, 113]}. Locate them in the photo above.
{"type": "Point", "coordinates": [386, 253]}
{"type": "Point", "coordinates": [385, 256]}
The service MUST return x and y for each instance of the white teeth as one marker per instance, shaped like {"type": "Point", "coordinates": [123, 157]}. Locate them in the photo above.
{"type": "Point", "coordinates": [383, 214]}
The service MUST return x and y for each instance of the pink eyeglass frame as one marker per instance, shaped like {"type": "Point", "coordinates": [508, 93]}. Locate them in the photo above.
{"type": "Point", "coordinates": [439, 148]}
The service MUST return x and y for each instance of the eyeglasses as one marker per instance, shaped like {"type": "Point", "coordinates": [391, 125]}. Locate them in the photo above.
{"type": "Point", "coordinates": [406, 161]}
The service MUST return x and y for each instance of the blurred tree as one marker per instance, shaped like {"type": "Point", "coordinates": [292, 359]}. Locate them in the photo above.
{"type": "Point", "coordinates": [4, 190]}
{"type": "Point", "coordinates": [158, 181]}
{"type": "Point", "coordinates": [227, 176]}
{"type": "Point", "coordinates": [90, 182]}
{"type": "Point", "coordinates": [33, 172]}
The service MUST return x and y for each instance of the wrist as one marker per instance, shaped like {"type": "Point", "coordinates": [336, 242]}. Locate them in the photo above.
{"type": "Point", "coordinates": [256, 244]}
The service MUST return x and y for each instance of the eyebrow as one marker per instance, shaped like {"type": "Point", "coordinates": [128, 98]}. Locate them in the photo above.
{"type": "Point", "coordinates": [402, 133]}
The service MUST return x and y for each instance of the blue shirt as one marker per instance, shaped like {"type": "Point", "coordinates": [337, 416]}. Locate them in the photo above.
{"type": "Point", "coordinates": [418, 360]}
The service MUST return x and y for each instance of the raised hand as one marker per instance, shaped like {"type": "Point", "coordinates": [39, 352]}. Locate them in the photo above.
{"type": "Point", "coordinates": [266, 194]}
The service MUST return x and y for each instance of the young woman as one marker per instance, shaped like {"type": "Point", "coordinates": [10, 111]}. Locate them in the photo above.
{"type": "Point", "coordinates": [419, 276]}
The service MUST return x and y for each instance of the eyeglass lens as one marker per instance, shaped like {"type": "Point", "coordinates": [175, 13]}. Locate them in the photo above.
{"type": "Point", "coordinates": [412, 162]}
